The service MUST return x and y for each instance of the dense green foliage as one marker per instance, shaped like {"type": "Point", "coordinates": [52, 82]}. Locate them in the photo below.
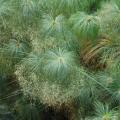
{"type": "Point", "coordinates": [62, 54]}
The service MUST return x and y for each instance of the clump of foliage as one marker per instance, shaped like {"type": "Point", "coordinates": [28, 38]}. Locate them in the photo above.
{"type": "Point", "coordinates": [60, 53]}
